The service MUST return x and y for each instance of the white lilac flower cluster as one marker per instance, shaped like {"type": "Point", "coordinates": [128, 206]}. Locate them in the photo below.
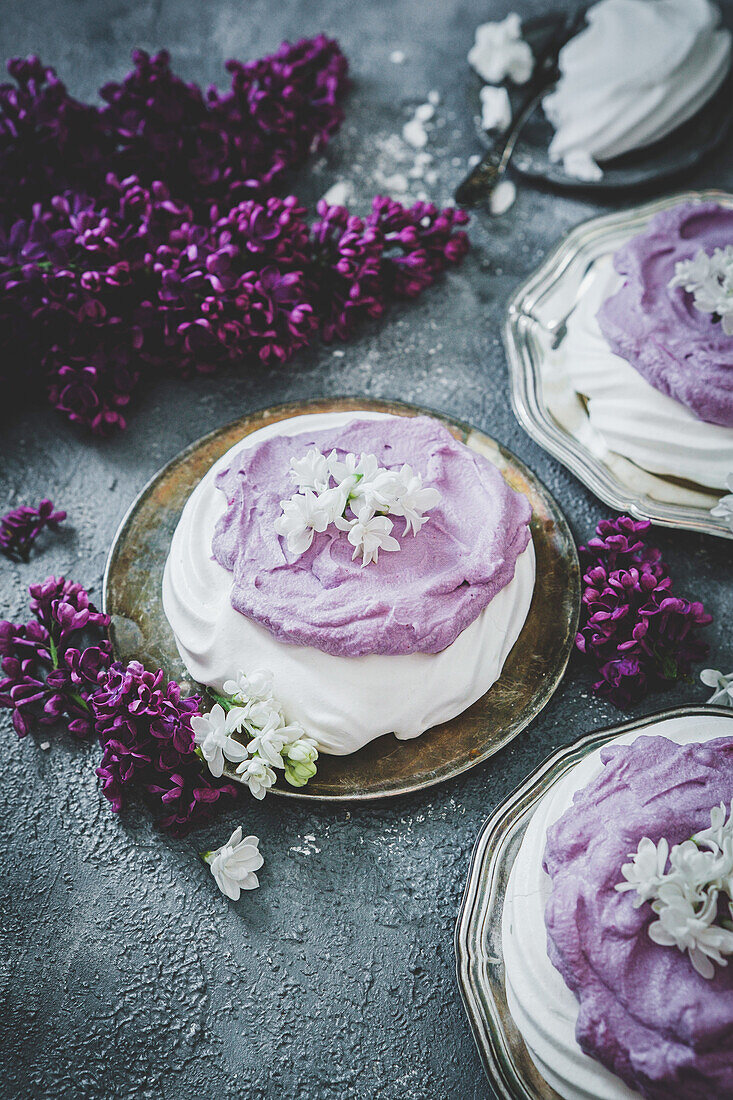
{"type": "Point", "coordinates": [248, 708]}
{"type": "Point", "coordinates": [709, 278]}
{"type": "Point", "coordinates": [693, 899]}
{"type": "Point", "coordinates": [330, 487]}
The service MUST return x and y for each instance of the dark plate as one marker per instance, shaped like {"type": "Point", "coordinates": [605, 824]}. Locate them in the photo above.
{"type": "Point", "coordinates": [675, 154]}
{"type": "Point", "coordinates": [531, 673]}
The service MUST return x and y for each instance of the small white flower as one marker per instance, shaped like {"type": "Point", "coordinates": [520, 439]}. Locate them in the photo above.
{"type": "Point", "coordinates": [724, 508]}
{"type": "Point", "coordinates": [311, 471]}
{"type": "Point", "coordinates": [235, 863]}
{"type": "Point", "coordinates": [302, 516]}
{"type": "Point", "coordinates": [269, 741]}
{"type": "Point", "coordinates": [257, 686]}
{"type": "Point", "coordinates": [413, 500]}
{"type": "Point", "coordinates": [646, 870]}
{"type": "Point", "coordinates": [369, 535]}
{"type": "Point", "coordinates": [720, 831]}
{"type": "Point", "coordinates": [709, 278]}
{"type": "Point", "coordinates": [258, 775]}
{"type": "Point", "coordinates": [722, 683]}
{"type": "Point", "coordinates": [210, 733]}
{"type": "Point", "coordinates": [690, 928]}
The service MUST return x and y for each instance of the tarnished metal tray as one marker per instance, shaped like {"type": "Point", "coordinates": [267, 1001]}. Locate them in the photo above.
{"type": "Point", "coordinates": [534, 668]}
{"type": "Point", "coordinates": [479, 958]}
{"type": "Point", "coordinates": [535, 326]}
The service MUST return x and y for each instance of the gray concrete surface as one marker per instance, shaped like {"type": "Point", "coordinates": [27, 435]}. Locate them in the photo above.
{"type": "Point", "coordinates": [124, 972]}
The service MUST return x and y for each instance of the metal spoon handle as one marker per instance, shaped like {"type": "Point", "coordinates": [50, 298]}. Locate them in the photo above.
{"type": "Point", "coordinates": [484, 176]}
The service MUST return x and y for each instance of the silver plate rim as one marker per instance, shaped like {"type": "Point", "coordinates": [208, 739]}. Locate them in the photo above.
{"type": "Point", "coordinates": [525, 386]}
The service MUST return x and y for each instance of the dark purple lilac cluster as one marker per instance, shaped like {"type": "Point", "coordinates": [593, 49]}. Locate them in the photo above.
{"type": "Point", "coordinates": [51, 663]}
{"type": "Point", "coordinates": [208, 146]}
{"type": "Point", "coordinates": [144, 236]}
{"type": "Point", "coordinates": [20, 528]}
{"type": "Point", "coordinates": [641, 637]}
{"type": "Point", "coordinates": [144, 727]}
{"type": "Point", "coordinates": [57, 669]}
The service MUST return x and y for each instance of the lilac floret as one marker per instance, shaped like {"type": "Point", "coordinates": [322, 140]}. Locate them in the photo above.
{"type": "Point", "coordinates": [20, 527]}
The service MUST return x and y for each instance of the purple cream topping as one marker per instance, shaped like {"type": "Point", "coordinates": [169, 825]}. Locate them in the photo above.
{"type": "Point", "coordinates": [680, 350]}
{"type": "Point", "coordinates": [418, 599]}
{"type": "Point", "coordinates": [644, 1011]}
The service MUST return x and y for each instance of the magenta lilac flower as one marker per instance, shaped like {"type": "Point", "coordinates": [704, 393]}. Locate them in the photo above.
{"type": "Point", "coordinates": [640, 636]}
{"type": "Point", "coordinates": [144, 727]}
{"type": "Point", "coordinates": [51, 664]}
{"type": "Point", "coordinates": [20, 528]}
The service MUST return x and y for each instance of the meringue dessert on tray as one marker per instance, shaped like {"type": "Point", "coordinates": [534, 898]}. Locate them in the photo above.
{"type": "Point", "coordinates": [380, 570]}
{"type": "Point", "coordinates": [648, 350]}
{"type": "Point", "coordinates": [386, 590]}
{"type": "Point", "coordinates": [617, 935]}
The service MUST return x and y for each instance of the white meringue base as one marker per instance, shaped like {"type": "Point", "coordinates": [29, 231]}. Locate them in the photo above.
{"type": "Point", "coordinates": [342, 702]}
{"type": "Point", "coordinates": [542, 1006]}
{"type": "Point", "coordinates": [627, 416]}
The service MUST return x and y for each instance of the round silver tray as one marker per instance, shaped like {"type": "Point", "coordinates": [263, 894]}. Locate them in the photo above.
{"type": "Point", "coordinates": [479, 961]}
{"type": "Point", "coordinates": [535, 326]}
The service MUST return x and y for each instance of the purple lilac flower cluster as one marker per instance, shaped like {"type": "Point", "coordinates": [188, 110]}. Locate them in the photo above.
{"type": "Point", "coordinates": [144, 727]}
{"type": "Point", "coordinates": [57, 669]}
{"type": "Point", "coordinates": [20, 528]}
{"type": "Point", "coordinates": [51, 663]}
{"type": "Point", "coordinates": [211, 145]}
{"type": "Point", "coordinates": [143, 236]}
{"type": "Point", "coordinates": [640, 636]}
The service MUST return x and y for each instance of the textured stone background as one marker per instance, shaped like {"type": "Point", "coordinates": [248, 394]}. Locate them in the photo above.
{"type": "Point", "coordinates": [125, 973]}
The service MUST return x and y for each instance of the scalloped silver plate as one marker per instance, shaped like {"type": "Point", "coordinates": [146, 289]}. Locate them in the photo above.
{"type": "Point", "coordinates": [535, 324]}
{"type": "Point", "coordinates": [479, 961]}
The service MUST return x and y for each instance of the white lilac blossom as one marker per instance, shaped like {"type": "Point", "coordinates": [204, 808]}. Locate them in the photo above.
{"type": "Point", "coordinates": [724, 508]}
{"type": "Point", "coordinates": [258, 775]}
{"type": "Point", "coordinates": [362, 496]}
{"type": "Point", "coordinates": [686, 896]}
{"type": "Point", "coordinates": [302, 516]}
{"type": "Point", "coordinates": [248, 708]}
{"type": "Point", "coordinates": [212, 734]}
{"type": "Point", "coordinates": [369, 534]}
{"type": "Point", "coordinates": [311, 471]}
{"type": "Point", "coordinates": [709, 278]}
{"type": "Point", "coordinates": [413, 500]}
{"type": "Point", "coordinates": [235, 864]}
{"type": "Point", "coordinates": [499, 51]}
{"type": "Point", "coordinates": [723, 685]}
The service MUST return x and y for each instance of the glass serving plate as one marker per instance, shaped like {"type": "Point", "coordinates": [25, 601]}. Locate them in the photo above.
{"type": "Point", "coordinates": [479, 962]}
{"type": "Point", "coordinates": [531, 673]}
{"type": "Point", "coordinates": [536, 325]}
